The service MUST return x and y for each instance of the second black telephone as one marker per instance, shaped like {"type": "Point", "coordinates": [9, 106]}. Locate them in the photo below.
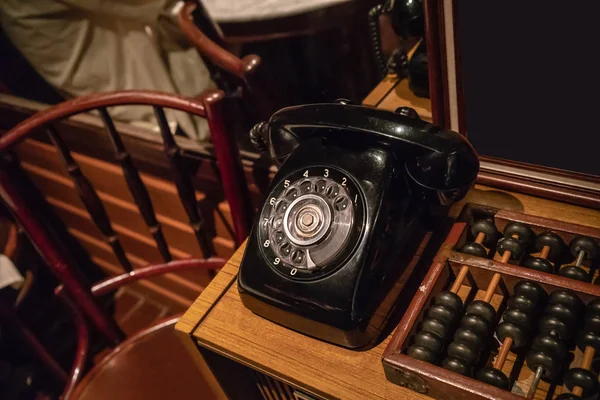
{"type": "Point", "coordinates": [353, 183]}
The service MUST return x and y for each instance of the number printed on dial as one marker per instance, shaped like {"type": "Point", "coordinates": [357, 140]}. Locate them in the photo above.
{"type": "Point", "coordinates": [310, 222]}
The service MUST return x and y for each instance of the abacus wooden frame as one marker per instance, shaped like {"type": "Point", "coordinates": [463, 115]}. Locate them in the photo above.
{"type": "Point", "coordinates": [448, 110]}
{"type": "Point", "coordinates": [434, 380]}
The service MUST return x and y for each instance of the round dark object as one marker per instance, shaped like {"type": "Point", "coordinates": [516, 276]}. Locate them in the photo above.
{"type": "Point", "coordinates": [494, 377]}
{"type": "Point", "coordinates": [429, 340]}
{"type": "Point", "coordinates": [531, 290]}
{"type": "Point", "coordinates": [568, 299]}
{"type": "Point", "coordinates": [591, 322]}
{"type": "Point", "coordinates": [476, 324]}
{"type": "Point", "coordinates": [450, 300]}
{"type": "Point", "coordinates": [518, 317]}
{"type": "Point", "coordinates": [583, 378]}
{"type": "Point", "coordinates": [567, 396]}
{"type": "Point", "coordinates": [523, 232]}
{"type": "Point", "coordinates": [488, 228]}
{"type": "Point", "coordinates": [468, 337]}
{"type": "Point", "coordinates": [443, 313]}
{"type": "Point", "coordinates": [591, 339]}
{"type": "Point", "coordinates": [552, 240]}
{"type": "Point", "coordinates": [510, 244]}
{"type": "Point", "coordinates": [421, 353]}
{"type": "Point", "coordinates": [593, 307]}
{"type": "Point", "coordinates": [435, 326]}
{"type": "Point", "coordinates": [549, 324]}
{"type": "Point", "coordinates": [574, 272]}
{"type": "Point", "coordinates": [523, 303]}
{"type": "Point", "coordinates": [550, 365]}
{"type": "Point", "coordinates": [473, 248]}
{"type": "Point", "coordinates": [538, 264]}
{"type": "Point", "coordinates": [586, 244]}
{"type": "Point", "coordinates": [550, 345]}
{"type": "Point", "coordinates": [518, 334]}
{"type": "Point", "coordinates": [463, 352]}
{"type": "Point", "coordinates": [563, 313]}
{"type": "Point", "coordinates": [482, 309]}
{"type": "Point", "coordinates": [456, 365]}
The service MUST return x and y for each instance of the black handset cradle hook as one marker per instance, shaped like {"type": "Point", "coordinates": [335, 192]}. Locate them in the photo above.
{"type": "Point", "coordinates": [353, 186]}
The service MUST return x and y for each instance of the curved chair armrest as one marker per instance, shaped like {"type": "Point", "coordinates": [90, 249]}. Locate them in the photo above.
{"type": "Point", "coordinates": [215, 53]}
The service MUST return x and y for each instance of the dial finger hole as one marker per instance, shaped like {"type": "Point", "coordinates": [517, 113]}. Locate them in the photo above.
{"type": "Point", "coordinates": [279, 236]}
{"type": "Point", "coordinates": [291, 194]}
{"type": "Point", "coordinates": [281, 206]}
{"type": "Point", "coordinates": [333, 191]}
{"type": "Point", "coordinates": [298, 257]}
{"type": "Point", "coordinates": [306, 187]}
{"type": "Point", "coordinates": [321, 185]}
{"type": "Point", "coordinates": [285, 249]}
{"type": "Point", "coordinates": [341, 203]}
{"type": "Point", "coordinates": [277, 223]}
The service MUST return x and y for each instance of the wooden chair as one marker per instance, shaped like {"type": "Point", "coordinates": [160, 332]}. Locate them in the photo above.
{"type": "Point", "coordinates": [243, 73]}
{"type": "Point", "coordinates": [24, 205]}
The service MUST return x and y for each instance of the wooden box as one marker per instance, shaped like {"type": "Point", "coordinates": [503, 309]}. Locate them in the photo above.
{"type": "Point", "coordinates": [439, 382]}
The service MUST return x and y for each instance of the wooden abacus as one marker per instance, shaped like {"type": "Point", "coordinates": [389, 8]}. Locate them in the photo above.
{"type": "Point", "coordinates": [484, 319]}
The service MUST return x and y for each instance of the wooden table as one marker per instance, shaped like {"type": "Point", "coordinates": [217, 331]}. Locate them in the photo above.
{"type": "Point", "coordinates": [254, 357]}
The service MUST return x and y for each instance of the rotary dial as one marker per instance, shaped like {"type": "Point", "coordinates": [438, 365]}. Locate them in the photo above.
{"type": "Point", "coordinates": [310, 220]}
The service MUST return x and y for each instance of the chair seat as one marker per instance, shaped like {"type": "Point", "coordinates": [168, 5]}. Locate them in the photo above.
{"type": "Point", "coordinates": [152, 364]}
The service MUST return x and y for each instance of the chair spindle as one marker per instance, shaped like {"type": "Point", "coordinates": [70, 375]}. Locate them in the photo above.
{"type": "Point", "coordinates": [183, 183]}
{"type": "Point", "coordinates": [90, 199]}
{"type": "Point", "coordinates": [136, 186]}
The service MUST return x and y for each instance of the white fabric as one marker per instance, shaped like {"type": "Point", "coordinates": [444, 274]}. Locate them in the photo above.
{"type": "Point", "coordinates": [89, 46]}
{"type": "Point", "coordinates": [9, 274]}
{"type": "Point", "coordinates": [249, 10]}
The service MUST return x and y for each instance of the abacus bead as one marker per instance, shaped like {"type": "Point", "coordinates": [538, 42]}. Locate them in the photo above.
{"type": "Point", "coordinates": [469, 337]}
{"type": "Point", "coordinates": [435, 326]}
{"type": "Point", "coordinates": [487, 227]}
{"type": "Point", "coordinates": [583, 378]}
{"type": "Point", "coordinates": [531, 290]}
{"type": "Point", "coordinates": [550, 345]}
{"type": "Point", "coordinates": [591, 322]}
{"type": "Point", "coordinates": [566, 298]}
{"type": "Point", "coordinates": [538, 264]}
{"type": "Point", "coordinates": [474, 249]}
{"type": "Point", "coordinates": [456, 365]}
{"type": "Point", "coordinates": [494, 377]}
{"type": "Point", "coordinates": [562, 312]}
{"type": "Point", "coordinates": [476, 324]}
{"type": "Point", "coordinates": [464, 352]}
{"type": "Point", "coordinates": [590, 339]}
{"type": "Point", "coordinates": [421, 353]}
{"type": "Point", "coordinates": [510, 244]}
{"type": "Point", "coordinates": [549, 364]}
{"type": "Point", "coordinates": [429, 340]}
{"type": "Point", "coordinates": [549, 324]}
{"type": "Point", "coordinates": [517, 317]}
{"type": "Point", "coordinates": [552, 240]}
{"type": "Point", "coordinates": [574, 272]}
{"type": "Point", "coordinates": [443, 313]}
{"type": "Point", "coordinates": [516, 333]}
{"type": "Point", "coordinates": [450, 300]}
{"type": "Point", "coordinates": [593, 307]}
{"type": "Point", "coordinates": [524, 233]}
{"type": "Point", "coordinates": [567, 396]}
{"type": "Point", "coordinates": [586, 244]}
{"type": "Point", "coordinates": [482, 309]}
{"type": "Point", "coordinates": [522, 303]}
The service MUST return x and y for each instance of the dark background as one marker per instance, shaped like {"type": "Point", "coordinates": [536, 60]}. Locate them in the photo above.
{"type": "Point", "coordinates": [531, 73]}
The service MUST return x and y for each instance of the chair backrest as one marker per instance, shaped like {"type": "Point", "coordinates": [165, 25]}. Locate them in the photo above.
{"type": "Point", "coordinates": [55, 255]}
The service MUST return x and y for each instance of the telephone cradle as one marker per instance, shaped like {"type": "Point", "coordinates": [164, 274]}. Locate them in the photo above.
{"type": "Point", "coordinates": [353, 185]}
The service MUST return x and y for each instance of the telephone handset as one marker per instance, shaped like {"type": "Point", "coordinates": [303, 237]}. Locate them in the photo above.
{"type": "Point", "coordinates": [353, 184]}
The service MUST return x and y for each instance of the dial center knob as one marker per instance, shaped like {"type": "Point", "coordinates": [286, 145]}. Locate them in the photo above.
{"type": "Point", "coordinates": [307, 220]}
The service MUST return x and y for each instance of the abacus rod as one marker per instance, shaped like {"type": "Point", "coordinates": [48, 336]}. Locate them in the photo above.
{"type": "Point", "coordinates": [535, 382]}
{"type": "Point", "coordinates": [545, 252]}
{"type": "Point", "coordinates": [462, 274]}
{"type": "Point", "coordinates": [580, 256]}
{"type": "Point", "coordinates": [503, 353]}
{"type": "Point", "coordinates": [586, 363]}
{"type": "Point", "coordinates": [489, 293]}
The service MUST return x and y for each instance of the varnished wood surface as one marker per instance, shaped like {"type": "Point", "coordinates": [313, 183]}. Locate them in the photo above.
{"type": "Point", "coordinates": [219, 322]}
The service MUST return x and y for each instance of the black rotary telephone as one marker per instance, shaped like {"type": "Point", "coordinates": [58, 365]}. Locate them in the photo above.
{"type": "Point", "coordinates": [353, 183]}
